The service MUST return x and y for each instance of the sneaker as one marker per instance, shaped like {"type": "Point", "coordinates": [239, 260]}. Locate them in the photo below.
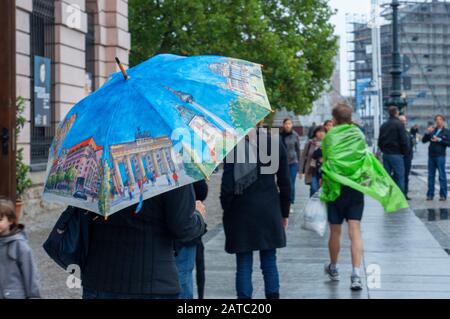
{"type": "Point", "coordinates": [356, 283]}
{"type": "Point", "coordinates": [429, 198]}
{"type": "Point", "coordinates": [333, 274]}
{"type": "Point", "coordinates": [442, 199]}
{"type": "Point", "coordinates": [407, 197]}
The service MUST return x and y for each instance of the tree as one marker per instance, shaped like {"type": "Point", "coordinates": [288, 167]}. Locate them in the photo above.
{"type": "Point", "coordinates": [104, 191]}
{"type": "Point", "coordinates": [293, 39]}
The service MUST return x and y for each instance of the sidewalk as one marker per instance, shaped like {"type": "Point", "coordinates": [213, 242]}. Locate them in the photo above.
{"type": "Point", "coordinates": [411, 262]}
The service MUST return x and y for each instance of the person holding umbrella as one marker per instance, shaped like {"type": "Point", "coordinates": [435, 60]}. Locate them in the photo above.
{"type": "Point", "coordinates": [255, 214]}
{"type": "Point", "coordinates": [131, 255]}
{"type": "Point", "coordinates": [191, 254]}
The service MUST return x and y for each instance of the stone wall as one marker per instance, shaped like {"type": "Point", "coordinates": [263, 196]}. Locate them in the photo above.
{"type": "Point", "coordinates": [111, 39]}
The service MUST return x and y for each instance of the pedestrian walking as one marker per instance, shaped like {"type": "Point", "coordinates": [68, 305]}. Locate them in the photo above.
{"type": "Point", "coordinates": [409, 154]}
{"type": "Point", "coordinates": [349, 171]}
{"type": "Point", "coordinates": [439, 139]}
{"type": "Point", "coordinates": [132, 255]}
{"type": "Point", "coordinates": [308, 163]}
{"type": "Point", "coordinates": [311, 130]}
{"type": "Point", "coordinates": [190, 254]}
{"type": "Point", "coordinates": [414, 131]}
{"type": "Point", "coordinates": [18, 272]}
{"type": "Point", "coordinates": [256, 211]}
{"type": "Point", "coordinates": [393, 143]}
{"type": "Point", "coordinates": [328, 125]}
{"type": "Point", "coordinates": [291, 141]}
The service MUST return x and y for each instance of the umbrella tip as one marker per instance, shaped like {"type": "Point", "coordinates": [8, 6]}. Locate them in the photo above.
{"type": "Point", "coordinates": [122, 69]}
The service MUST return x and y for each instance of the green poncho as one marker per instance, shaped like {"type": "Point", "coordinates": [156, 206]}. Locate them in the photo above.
{"type": "Point", "coordinates": [347, 161]}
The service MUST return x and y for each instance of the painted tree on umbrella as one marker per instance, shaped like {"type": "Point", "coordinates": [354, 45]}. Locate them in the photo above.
{"type": "Point", "coordinates": [170, 123]}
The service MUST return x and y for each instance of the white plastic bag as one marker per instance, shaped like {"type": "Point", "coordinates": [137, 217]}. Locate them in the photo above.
{"type": "Point", "coordinates": [315, 215]}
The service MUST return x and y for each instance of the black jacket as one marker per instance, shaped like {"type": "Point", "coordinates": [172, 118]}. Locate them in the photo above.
{"type": "Point", "coordinates": [410, 145]}
{"type": "Point", "coordinates": [253, 220]}
{"type": "Point", "coordinates": [201, 192]}
{"type": "Point", "coordinates": [393, 139]}
{"type": "Point", "coordinates": [437, 148]}
{"type": "Point", "coordinates": [133, 253]}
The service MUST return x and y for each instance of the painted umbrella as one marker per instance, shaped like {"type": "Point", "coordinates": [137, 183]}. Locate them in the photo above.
{"type": "Point", "coordinates": [164, 123]}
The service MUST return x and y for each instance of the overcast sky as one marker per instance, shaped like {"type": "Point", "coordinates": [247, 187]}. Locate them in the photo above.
{"type": "Point", "coordinates": [343, 7]}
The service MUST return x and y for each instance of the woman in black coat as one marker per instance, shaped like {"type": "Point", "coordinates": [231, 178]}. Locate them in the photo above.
{"type": "Point", "coordinates": [256, 214]}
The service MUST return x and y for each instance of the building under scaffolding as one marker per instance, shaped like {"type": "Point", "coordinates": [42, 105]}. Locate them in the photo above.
{"type": "Point", "coordinates": [425, 49]}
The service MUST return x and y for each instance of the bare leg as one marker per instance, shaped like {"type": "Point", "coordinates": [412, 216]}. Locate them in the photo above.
{"type": "Point", "coordinates": [354, 232]}
{"type": "Point", "coordinates": [334, 243]}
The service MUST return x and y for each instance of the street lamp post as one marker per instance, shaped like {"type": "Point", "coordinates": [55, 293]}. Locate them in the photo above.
{"type": "Point", "coordinates": [395, 98]}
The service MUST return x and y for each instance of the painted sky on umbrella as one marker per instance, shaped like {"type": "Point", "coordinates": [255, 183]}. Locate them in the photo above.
{"type": "Point", "coordinates": [117, 104]}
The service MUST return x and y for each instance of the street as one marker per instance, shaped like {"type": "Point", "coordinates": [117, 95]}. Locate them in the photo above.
{"type": "Point", "coordinates": [404, 255]}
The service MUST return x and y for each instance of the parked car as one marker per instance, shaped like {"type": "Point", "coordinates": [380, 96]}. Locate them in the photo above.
{"type": "Point", "coordinates": [80, 195]}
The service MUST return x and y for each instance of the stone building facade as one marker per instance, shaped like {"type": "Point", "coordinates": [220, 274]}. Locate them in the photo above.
{"type": "Point", "coordinates": [81, 39]}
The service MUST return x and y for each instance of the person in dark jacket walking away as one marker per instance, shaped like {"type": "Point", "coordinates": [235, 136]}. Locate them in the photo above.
{"type": "Point", "coordinates": [18, 273]}
{"type": "Point", "coordinates": [439, 138]}
{"type": "Point", "coordinates": [409, 154]}
{"type": "Point", "coordinates": [256, 214]}
{"type": "Point", "coordinates": [191, 254]}
{"type": "Point", "coordinates": [291, 141]}
{"type": "Point", "coordinates": [393, 143]}
{"type": "Point", "coordinates": [131, 256]}
{"type": "Point", "coordinates": [309, 165]}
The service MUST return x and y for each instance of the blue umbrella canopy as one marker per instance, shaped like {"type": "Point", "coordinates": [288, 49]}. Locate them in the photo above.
{"type": "Point", "coordinates": [168, 123]}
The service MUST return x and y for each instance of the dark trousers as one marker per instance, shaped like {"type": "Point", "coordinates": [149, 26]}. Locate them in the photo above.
{"type": "Point", "coordinates": [244, 286]}
{"type": "Point", "coordinates": [94, 294]}
{"type": "Point", "coordinates": [408, 164]}
{"type": "Point", "coordinates": [395, 166]}
{"type": "Point", "coordinates": [437, 163]}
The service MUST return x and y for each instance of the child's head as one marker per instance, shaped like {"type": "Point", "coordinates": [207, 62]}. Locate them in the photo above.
{"type": "Point", "coordinates": [342, 114]}
{"type": "Point", "coordinates": [8, 218]}
{"type": "Point", "coordinates": [319, 132]}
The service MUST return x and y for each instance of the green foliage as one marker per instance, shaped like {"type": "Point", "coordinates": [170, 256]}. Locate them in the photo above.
{"type": "Point", "coordinates": [70, 174]}
{"type": "Point", "coordinates": [22, 170]}
{"type": "Point", "coordinates": [292, 39]}
{"type": "Point", "coordinates": [104, 191]}
{"type": "Point", "coordinates": [245, 113]}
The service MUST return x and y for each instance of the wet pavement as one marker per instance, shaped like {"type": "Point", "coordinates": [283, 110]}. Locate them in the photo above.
{"type": "Point", "coordinates": [405, 254]}
{"type": "Point", "coordinates": [402, 259]}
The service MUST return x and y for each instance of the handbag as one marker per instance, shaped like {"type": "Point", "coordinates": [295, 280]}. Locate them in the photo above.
{"type": "Point", "coordinates": [68, 241]}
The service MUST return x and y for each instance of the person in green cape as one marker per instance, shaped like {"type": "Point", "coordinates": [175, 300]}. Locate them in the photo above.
{"type": "Point", "coordinates": [349, 171]}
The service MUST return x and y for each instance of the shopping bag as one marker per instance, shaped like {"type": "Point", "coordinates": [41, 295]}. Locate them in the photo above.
{"type": "Point", "coordinates": [315, 215]}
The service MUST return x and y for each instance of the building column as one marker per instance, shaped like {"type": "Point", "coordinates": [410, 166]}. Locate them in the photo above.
{"type": "Point", "coordinates": [155, 163]}
{"type": "Point", "coordinates": [112, 38]}
{"type": "Point", "coordinates": [130, 174]}
{"type": "Point", "coordinates": [23, 71]}
{"type": "Point", "coordinates": [70, 57]}
{"type": "Point", "coordinates": [141, 165]}
{"type": "Point", "coordinates": [117, 173]}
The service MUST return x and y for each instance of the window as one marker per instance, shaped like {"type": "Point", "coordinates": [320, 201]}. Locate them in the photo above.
{"type": "Point", "coordinates": [42, 44]}
{"type": "Point", "coordinates": [90, 52]}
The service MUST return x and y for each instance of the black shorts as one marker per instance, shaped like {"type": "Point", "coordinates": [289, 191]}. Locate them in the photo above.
{"type": "Point", "coordinates": [349, 206]}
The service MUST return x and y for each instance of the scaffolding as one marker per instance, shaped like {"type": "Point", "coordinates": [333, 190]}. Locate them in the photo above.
{"type": "Point", "coordinates": [425, 48]}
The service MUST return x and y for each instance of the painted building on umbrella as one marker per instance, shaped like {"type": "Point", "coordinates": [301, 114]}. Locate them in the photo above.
{"type": "Point", "coordinates": [243, 79]}
{"type": "Point", "coordinates": [202, 127]}
{"type": "Point", "coordinates": [142, 159]}
{"type": "Point", "coordinates": [84, 158]}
